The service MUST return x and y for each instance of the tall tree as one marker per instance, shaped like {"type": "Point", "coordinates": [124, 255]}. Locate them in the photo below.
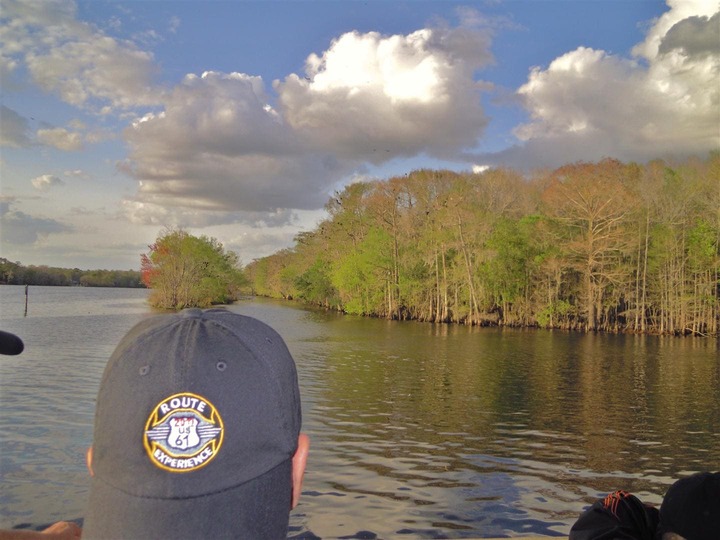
{"type": "Point", "coordinates": [590, 203]}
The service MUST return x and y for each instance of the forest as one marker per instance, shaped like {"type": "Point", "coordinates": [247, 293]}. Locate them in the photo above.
{"type": "Point", "coordinates": [605, 246]}
{"type": "Point", "coordinates": [14, 273]}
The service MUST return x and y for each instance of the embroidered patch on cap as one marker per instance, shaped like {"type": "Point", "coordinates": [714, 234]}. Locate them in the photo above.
{"type": "Point", "coordinates": [183, 433]}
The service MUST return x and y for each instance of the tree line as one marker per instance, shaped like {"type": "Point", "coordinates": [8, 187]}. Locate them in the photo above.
{"type": "Point", "coordinates": [14, 273]}
{"type": "Point", "coordinates": [611, 246]}
{"type": "Point", "coordinates": [181, 269]}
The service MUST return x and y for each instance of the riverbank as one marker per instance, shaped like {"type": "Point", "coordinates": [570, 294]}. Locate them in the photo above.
{"type": "Point", "coordinates": [490, 320]}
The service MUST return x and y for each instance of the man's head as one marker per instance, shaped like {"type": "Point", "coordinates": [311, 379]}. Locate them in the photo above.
{"type": "Point", "coordinates": [691, 509]}
{"type": "Point", "coordinates": [197, 431]}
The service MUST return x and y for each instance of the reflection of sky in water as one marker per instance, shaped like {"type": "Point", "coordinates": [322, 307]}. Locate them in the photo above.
{"type": "Point", "coordinates": [417, 430]}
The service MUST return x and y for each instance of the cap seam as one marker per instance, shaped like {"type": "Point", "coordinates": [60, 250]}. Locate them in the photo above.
{"type": "Point", "coordinates": [142, 337]}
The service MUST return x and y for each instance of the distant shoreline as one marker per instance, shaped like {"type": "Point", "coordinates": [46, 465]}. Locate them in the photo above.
{"type": "Point", "coordinates": [14, 273]}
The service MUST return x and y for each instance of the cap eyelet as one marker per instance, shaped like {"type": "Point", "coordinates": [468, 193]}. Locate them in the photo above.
{"type": "Point", "coordinates": [221, 366]}
{"type": "Point", "coordinates": [144, 370]}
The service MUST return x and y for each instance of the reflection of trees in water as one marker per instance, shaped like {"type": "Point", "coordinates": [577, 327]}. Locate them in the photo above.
{"type": "Point", "coordinates": [432, 417]}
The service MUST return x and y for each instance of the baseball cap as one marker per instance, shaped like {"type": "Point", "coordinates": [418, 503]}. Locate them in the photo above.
{"type": "Point", "coordinates": [196, 422]}
{"type": "Point", "coordinates": [691, 507]}
{"type": "Point", "coordinates": [10, 344]}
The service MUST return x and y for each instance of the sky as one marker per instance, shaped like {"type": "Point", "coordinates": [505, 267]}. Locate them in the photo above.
{"type": "Point", "coordinates": [239, 119]}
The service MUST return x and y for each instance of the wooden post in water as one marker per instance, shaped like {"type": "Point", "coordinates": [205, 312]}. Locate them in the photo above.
{"type": "Point", "coordinates": [26, 299]}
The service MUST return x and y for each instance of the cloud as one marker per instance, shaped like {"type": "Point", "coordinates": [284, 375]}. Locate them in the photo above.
{"type": "Point", "coordinates": [375, 97]}
{"type": "Point", "coordinates": [470, 17]}
{"type": "Point", "coordinates": [75, 60]}
{"type": "Point", "coordinates": [86, 255]}
{"type": "Point", "coordinates": [8, 67]}
{"type": "Point", "coordinates": [5, 202]}
{"type": "Point", "coordinates": [477, 169]}
{"type": "Point", "coordinates": [148, 213]}
{"type": "Point", "coordinates": [588, 104]}
{"type": "Point", "coordinates": [19, 228]}
{"type": "Point", "coordinates": [174, 24]}
{"type": "Point", "coordinates": [77, 173]}
{"type": "Point", "coordinates": [46, 181]}
{"type": "Point", "coordinates": [219, 145]}
{"type": "Point", "coordinates": [694, 36]}
{"type": "Point", "coordinates": [14, 133]}
{"type": "Point", "coordinates": [257, 243]}
{"type": "Point", "coordinates": [60, 138]}
{"type": "Point", "coordinates": [13, 129]}
{"type": "Point", "coordinates": [82, 211]}
{"type": "Point", "coordinates": [100, 68]}
{"type": "Point", "coordinates": [680, 10]}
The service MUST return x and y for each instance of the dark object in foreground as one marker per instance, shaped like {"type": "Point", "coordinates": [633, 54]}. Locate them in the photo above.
{"type": "Point", "coordinates": [10, 344]}
{"type": "Point", "coordinates": [197, 432]}
{"type": "Point", "coordinates": [690, 509]}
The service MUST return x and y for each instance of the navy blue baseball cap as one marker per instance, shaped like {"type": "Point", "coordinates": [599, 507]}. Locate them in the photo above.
{"type": "Point", "coordinates": [197, 420]}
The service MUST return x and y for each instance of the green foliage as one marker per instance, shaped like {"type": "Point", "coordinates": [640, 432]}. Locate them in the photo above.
{"type": "Point", "coordinates": [507, 273]}
{"type": "Point", "coordinates": [315, 287]}
{"type": "Point", "coordinates": [362, 275]}
{"type": "Point", "coordinates": [589, 246]}
{"type": "Point", "coordinates": [555, 313]}
{"type": "Point", "coordinates": [189, 271]}
{"type": "Point", "coordinates": [703, 247]}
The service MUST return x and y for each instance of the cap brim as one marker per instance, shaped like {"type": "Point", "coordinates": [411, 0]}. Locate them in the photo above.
{"type": "Point", "coordinates": [10, 344]}
{"type": "Point", "coordinates": [257, 509]}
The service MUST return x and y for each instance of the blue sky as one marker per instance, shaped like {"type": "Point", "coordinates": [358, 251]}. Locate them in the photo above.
{"type": "Point", "coordinates": [238, 119]}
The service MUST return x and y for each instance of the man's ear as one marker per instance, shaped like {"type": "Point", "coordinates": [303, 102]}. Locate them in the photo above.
{"type": "Point", "coordinates": [88, 460]}
{"type": "Point", "coordinates": [299, 461]}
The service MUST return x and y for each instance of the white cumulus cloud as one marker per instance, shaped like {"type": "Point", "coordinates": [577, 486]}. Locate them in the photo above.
{"type": "Point", "coordinates": [663, 101]}
{"type": "Point", "coordinates": [374, 97]}
{"type": "Point", "coordinates": [219, 143]}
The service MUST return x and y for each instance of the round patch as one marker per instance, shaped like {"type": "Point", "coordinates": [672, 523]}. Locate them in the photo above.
{"type": "Point", "coordinates": [183, 433]}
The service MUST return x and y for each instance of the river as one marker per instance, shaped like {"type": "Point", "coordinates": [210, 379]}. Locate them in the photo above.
{"type": "Point", "coordinates": [417, 430]}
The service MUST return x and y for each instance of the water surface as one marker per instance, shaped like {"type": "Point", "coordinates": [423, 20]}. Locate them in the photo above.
{"type": "Point", "coordinates": [417, 430]}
